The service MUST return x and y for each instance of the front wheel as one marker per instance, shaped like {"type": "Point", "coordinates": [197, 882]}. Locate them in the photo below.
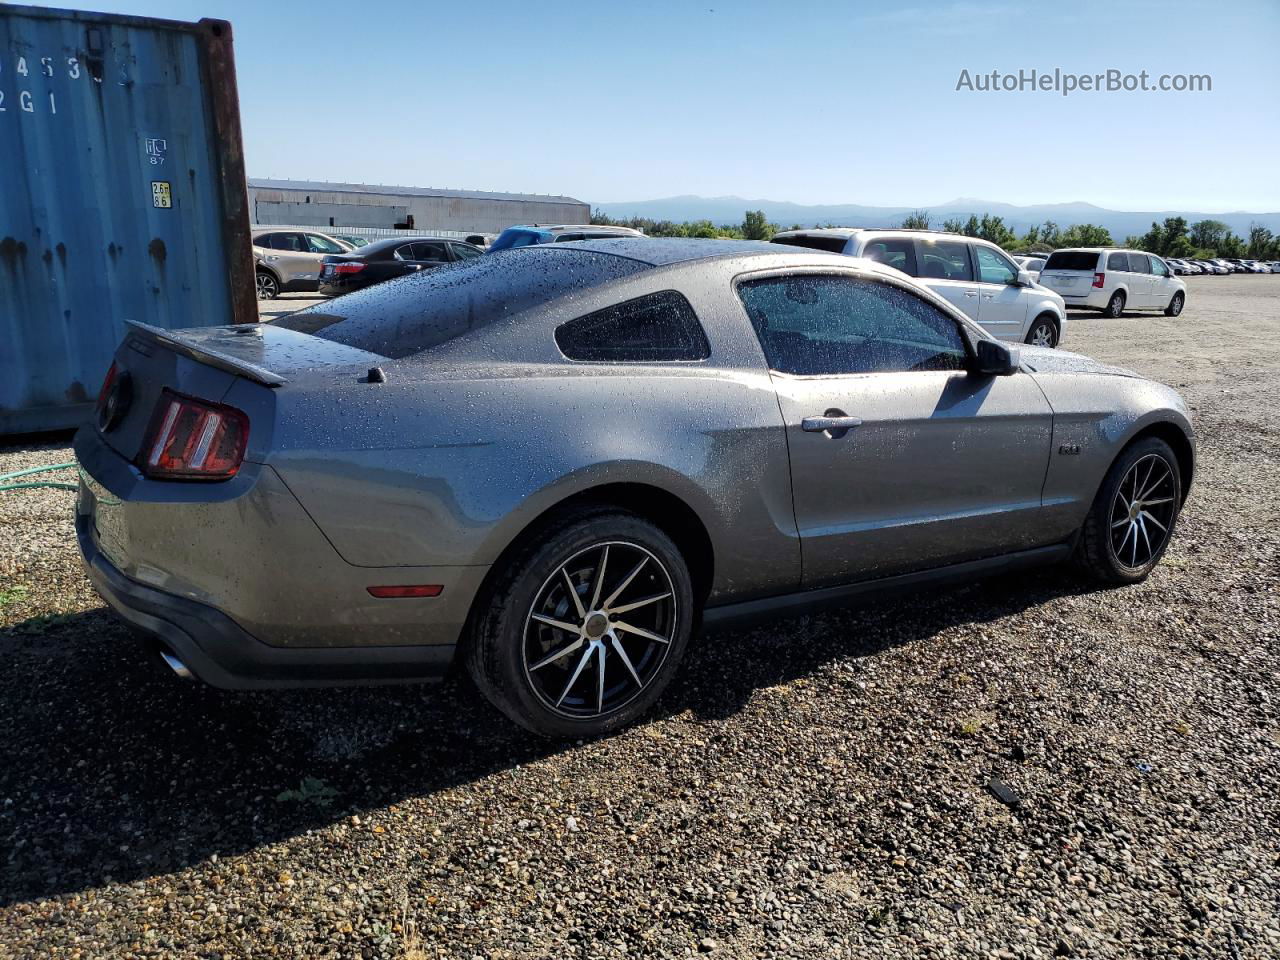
{"type": "Point", "coordinates": [584, 626]}
{"type": "Point", "coordinates": [1043, 333]}
{"type": "Point", "coordinates": [1175, 305]}
{"type": "Point", "coordinates": [1133, 515]}
{"type": "Point", "coordinates": [1115, 306]}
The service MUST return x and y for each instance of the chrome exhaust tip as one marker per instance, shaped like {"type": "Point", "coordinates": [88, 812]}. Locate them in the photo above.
{"type": "Point", "coordinates": [176, 665]}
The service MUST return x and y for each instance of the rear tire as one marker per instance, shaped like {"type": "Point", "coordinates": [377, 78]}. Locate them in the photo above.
{"type": "Point", "coordinates": [582, 666]}
{"type": "Point", "coordinates": [268, 285]}
{"type": "Point", "coordinates": [1115, 306]}
{"type": "Point", "coordinates": [1133, 515]}
{"type": "Point", "coordinates": [1175, 305]}
{"type": "Point", "coordinates": [1043, 332]}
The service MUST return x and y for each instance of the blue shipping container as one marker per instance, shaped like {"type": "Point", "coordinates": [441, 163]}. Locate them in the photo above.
{"type": "Point", "coordinates": [122, 197]}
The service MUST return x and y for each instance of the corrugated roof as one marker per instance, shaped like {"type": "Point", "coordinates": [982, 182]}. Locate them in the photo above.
{"type": "Point", "coordinates": [378, 189]}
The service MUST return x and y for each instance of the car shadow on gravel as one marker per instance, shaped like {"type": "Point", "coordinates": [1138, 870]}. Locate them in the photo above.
{"type": "Point", "coordinates": [114, 770]}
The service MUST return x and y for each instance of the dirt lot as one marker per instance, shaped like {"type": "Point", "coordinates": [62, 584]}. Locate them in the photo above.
{"type": "Point", "coordinates": [816, 787]}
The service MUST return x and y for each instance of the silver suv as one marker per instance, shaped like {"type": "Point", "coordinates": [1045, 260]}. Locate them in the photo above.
{"type": "Point", "coordinates": [288, 261]}
{"type": "Point", "coordinates": [975, 275]}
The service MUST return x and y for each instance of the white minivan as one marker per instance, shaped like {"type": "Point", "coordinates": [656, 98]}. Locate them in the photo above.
{"type": "Point", "coordinates": [976, 276]}
{"type": "Point", "coordinates": [1114, 281]}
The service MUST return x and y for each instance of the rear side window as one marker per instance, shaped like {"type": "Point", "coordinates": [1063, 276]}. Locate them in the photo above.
{"type": "Point", "coordinates": [433, 307]}
{"type": "Point", "coordinates": [899, 254]}
{"type": "Point", "coordinates": [814, 242]}
{"type": "Point", "coordinates": [1139, 263]}
{"type": "Point", "coordinates": [657, 328]}
{"type": "Point", "coordinates": [1118, 261]}
{"type": "Point", "coordinates": [1086, 260]}
{"type": "Point", "coordinates": [945, 260]}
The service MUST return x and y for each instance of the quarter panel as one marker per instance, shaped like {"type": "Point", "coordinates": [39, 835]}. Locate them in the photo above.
{"type": "Point", "coordinates": [449, 471]}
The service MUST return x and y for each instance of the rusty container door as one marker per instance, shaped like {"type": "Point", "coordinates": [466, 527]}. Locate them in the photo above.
{"type": "Point", "coordinates": [122, 197]}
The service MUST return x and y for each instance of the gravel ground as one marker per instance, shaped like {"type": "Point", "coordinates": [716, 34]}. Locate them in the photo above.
{"type": "Point", "coordinates": [813, 788]}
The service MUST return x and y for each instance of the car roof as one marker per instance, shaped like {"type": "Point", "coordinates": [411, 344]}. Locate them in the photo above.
{"type": "Point", "coordinates": [384, 242]}
{"type": "Point", "coordinates": [660, 251]}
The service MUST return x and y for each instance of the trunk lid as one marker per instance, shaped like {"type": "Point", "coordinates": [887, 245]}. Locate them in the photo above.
{"type": "Point", "coordinates": [1070, 271]}
{"type": "Point", "coordinates": [205, 363]}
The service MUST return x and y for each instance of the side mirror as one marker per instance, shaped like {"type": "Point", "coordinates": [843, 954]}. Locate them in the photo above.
{"type": "Point", "coordinates": [1024, 279]}
{"type": "Point", "coordinates": [996, 359]}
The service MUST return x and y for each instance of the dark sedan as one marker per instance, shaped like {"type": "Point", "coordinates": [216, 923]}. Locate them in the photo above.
{"type": "Point", "coordinates": [388, 259]}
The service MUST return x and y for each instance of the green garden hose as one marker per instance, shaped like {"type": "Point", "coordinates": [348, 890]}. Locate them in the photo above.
{"type": "Point", "coordinates": [31, 485]}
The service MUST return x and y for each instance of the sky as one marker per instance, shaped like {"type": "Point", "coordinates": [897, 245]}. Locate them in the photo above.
{"type": "Point", "coordinates": [837, 102]}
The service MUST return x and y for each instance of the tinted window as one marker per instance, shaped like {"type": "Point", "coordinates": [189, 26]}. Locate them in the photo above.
{"type": "Point", "coordinates": [429, 251]}
{"type": "Point", "coordinates": [815, 242]}
{"type": "Point", "coordinates": [1118, 261]}
{"type": "Point", "coordinates": [899, 254]}
{"type": "Point", "coordinates": [992, 267]}
{"type": "Point", "coordinates": [464, 252]}
{"type": "Point", "coordinates": [1073, 260]}
{"type": "Point", "coordinates": [1139, 263]}
{"type": "Point", "coordinates": [566, 237]}
{"type": "Point", "coordinates": [434, 307]}
{"type": "Point", "coordinates": [318, 244]}
{"type": "Point", "coordinates": [266, 240]}
{"type": "Point", "coordinates": [945, 260]}
{"type": "Point", "coordinates": [659, 327]}
{"type": "Point", "coordinates": [283, 241]}
{"type": "Point", "coordinates": [815, 326]}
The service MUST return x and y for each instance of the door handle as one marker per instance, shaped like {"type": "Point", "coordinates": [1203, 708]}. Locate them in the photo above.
{"type": "Point", "coordinates": [833, 423]}
{"type": "Point", "coordinates": [971, 293]}
{"type": "Point", "coordinates": [988, 296]}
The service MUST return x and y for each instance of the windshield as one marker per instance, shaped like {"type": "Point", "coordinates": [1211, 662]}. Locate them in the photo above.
{"type": "Point", "coordinates": [513, 237]}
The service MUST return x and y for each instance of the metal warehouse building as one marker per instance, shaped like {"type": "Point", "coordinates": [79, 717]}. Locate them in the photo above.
{"type": "Point", "coordinates": [302, 203]}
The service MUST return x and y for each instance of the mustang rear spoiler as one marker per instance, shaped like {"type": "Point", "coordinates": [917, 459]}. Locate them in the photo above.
{"type": "Point", "coordinates": [202, 353]}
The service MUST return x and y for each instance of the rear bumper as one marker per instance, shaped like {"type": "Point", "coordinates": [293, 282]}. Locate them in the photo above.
{"type": "Point", "coordinates": [220, 652]}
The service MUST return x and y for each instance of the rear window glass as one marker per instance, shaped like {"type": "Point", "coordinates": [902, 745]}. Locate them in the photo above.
{"type": "Point", "coordinates": [659, 327]}
{"type": "Point", "coordinates": [425, 310]}
{"type": "Point", "coordinates": [1073, 260]}
{"type": "Point", "coordinates": [826, 244]}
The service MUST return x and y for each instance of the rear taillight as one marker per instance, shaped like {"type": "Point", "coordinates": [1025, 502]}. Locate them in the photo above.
{"type": "Point", "coordinates": [107, 382]}
{"type": "Point", "coordinates": [348, 267]}
{"type": "Point", "coordinates": [1099, 279]}
{"type": "Point", "coordinates": [194, 440]}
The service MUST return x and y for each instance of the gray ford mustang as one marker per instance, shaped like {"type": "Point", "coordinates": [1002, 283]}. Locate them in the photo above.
{"type": "Point", "coordinates": [552, 464]}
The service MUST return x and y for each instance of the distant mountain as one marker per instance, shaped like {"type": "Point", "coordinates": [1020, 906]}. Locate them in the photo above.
{"type": "Point", "coordinates": [1121, 223]}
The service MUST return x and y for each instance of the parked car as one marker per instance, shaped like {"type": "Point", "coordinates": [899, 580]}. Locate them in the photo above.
{"type": "Point", "coordinates": [1114, 280]}
{"type": "Point", "coordinates": [1033, 265]}
{"type": "Point", "coordinates": [1225, 266]}
{"type": "Point", "coordinates": [289, 261]}
{"type": "Point", "coordinates": [1181, 268]}
{"type": "Point", "coordinates": [351, 240]}
{"type": "Point", "coordinates": [388, 259]}
{"type": "Point", "coordinates": [1215, 267]}
{"type": "Point", "coordinates": [974, 275]}
{"type": "Point", "coordinates": [1275, 266]}
{"type": "Point", "coordinates": [364, 491]}
{"type": "Point", "coordinates": [531, 236]}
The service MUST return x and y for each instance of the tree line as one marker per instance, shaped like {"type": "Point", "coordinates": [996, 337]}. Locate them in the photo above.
{"type": "Point", "coordinates": [1173, 238]}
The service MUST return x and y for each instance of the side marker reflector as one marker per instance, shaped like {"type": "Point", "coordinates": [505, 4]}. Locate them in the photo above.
{"type": "Point", "coordinates": [419, 590]}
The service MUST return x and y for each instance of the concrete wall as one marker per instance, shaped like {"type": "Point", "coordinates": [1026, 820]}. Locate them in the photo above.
{"type": "Point", "coordinates": [466, 214]}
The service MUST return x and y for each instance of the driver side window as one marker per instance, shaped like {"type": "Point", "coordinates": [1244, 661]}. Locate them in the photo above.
{"type": "Point", "coordinates": [813, 325]}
